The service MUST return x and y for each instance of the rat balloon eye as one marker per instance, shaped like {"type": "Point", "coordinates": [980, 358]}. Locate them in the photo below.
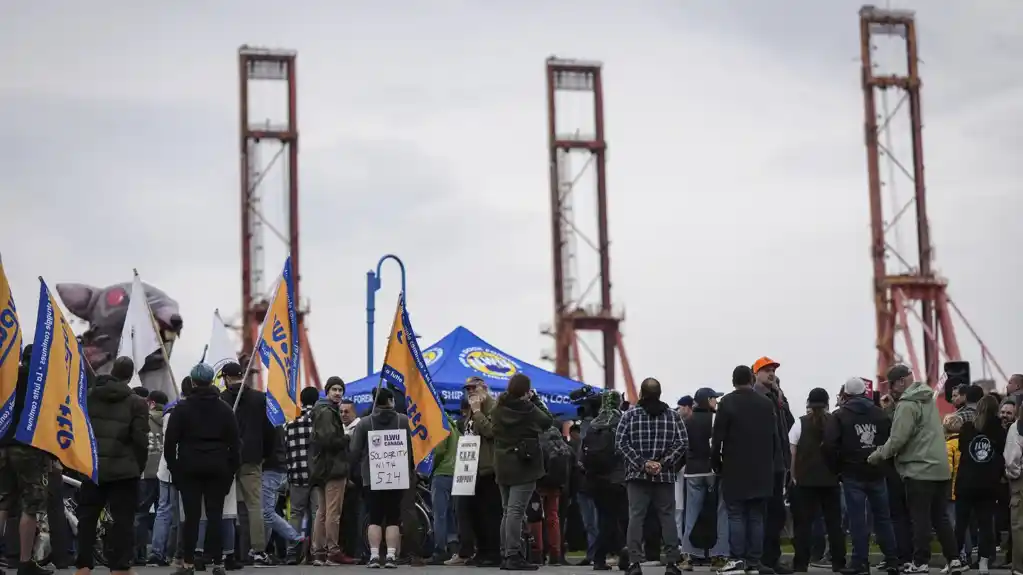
{"type": "Point", "coordinates": [115, 297]}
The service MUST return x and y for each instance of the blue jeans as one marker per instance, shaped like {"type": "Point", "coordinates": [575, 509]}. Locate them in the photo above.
{"type": "Point", "coordinates": [746, 530]}
{"type": "Point", "coordinates": [272, 522]}
{"type": "Point", "coordinates": [227, 530]}
{"type": "Point", "coordinates": [444, 531]}
{"type": "Point", "coordinates": [166, 519]}
{"type": "Point", "coordinates": [859, 495]}
{"type": "Point", "coordinates": [698, 488]}
{"type": "Point", "coordinates": [588, 511]}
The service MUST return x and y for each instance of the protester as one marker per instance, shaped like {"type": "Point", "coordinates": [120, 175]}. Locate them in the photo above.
{"type": "Point", "coordinates": [445, 534]}
{"type": "Point", "coordinates": [257, 435]}
{"type": "Point", "coordinates": [149, 487]}
{"type": "Point", "coordinates": [518, 420]}
{"type": "Point", "coordinates": [353, 537]}
{"type": "Point", "coordinates": [970, 395]}
{"type": "Point", "coordinates": [701, 483]}
{"type": "Point", "coordinates": [854, 431]}
{"type": "Point", "coordinates": [275, 479]}
{"type": "Point", "coordinates": [476, 512]}
{"type": "Point", "coordinates": [202, 446]}
{"type": "Point", "coordinates": [685, 406]}
{"type": "Point", "coordinates": [917, 445]}
{"type": "Point", "coordinates": [652, 440]}
{"type": "Point", "coordinates": [166, 525]}
{"type": "Point", "coordinates": [605, 478]}
{"type": "Point", "coordinates": [23, 475]}
{"type": "Point", "coordinates": [1013, 456]}
{"type": "Point", "coordinates": [1007, 412]}
{"type": "Point", "coordinates": [768, 384]}
{"type": "Point", "coordinates": [328, 472]}
{"type": "Point", "coordinates": [297, 435]}
{"type": "Point", "coordinates": [981, 467]}
{"type": "Point", "coordinates": [120, 425]}
{"type": "Point", "coordinates": [814, 484]}
{"type": "Point", "coordinates": [744, 457]}
{"type": "Point", "coordinates": [383, 507]}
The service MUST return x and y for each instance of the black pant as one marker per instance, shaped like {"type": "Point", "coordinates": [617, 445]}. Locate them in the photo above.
{"type": "Point", "coordinates": [612, 518]}
{"type": "Point", "coordinates": [481, 513]}
{"type": "Point", "coordinates": [60, 533]}
{"type": "Point", "coordinates": [977, 507]}
{"type": "Point", "coordinates": [409, 520]}
{"type": "Point", "coordinates": [927, 508]}
{"type": "Point", "coordinates": [901, 521]}
{"type": "Point", "coordinates": [774, 522]}
{"type": "Point", "coordinates": [196, 493]}
{"type": "Point", "coordinates": [353, 541]}
{"type": "Point", "coordinates": [122, 497]}
{"type": "Point", "coordinates": [807, 502]}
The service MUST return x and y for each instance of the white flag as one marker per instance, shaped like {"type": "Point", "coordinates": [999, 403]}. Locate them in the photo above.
{"type": "Point", "coordinates": [221, 349]}
{"type": "Point", "coordinates": [138, 337]}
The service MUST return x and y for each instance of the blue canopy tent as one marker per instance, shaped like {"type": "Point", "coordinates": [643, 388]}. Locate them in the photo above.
{"type": "Point", "coordinates": [462, 354]}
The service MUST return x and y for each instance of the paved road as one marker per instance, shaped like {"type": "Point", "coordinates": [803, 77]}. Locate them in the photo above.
{"type": "Point", "coordinates": [451, 571]}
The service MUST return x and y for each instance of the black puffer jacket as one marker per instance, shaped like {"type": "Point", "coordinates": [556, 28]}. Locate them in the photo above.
{"type": "Point", "coordinates": [518, 423]}
{"type": "Point", "coordinates": [202, 439]}
{"type": "Point", "coordinates": [120, 424]}
{"type": "Point", "coordinates": [700, 429]}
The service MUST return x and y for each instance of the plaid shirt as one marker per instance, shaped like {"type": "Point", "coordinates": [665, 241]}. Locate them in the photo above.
{"type": "Point", "coordinates": [297, 434]}
{"type": "Point", "coordinates": [642, 437]}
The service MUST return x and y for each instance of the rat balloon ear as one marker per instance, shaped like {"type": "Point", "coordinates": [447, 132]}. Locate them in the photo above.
{"type": "Point", "coordinates": [79, 299]}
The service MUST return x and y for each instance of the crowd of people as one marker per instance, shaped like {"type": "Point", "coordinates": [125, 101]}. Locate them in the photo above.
{"type": "Point", "coordinates": [207, 482]}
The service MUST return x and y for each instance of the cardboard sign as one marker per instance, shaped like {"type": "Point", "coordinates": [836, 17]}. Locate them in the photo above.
{"type": "Point", "coordinates": [467, 462]}
{"type": "Point", "coordinates": [388, 459]}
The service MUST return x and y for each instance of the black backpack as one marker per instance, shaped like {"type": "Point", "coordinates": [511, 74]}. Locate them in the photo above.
{"type": "Point", "coordinates": [598, 449]}
{"type": "Point", "coordinates": [557, 457]}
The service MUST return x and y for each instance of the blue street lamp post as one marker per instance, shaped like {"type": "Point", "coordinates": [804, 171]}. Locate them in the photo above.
{"type": "Point", "coordinates": [372, 286]}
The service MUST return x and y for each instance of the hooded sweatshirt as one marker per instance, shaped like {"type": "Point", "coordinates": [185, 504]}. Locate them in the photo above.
{"type": "Point", "coordinates": [981, 464]}
{"type": "Point", "coordinates": [857, 428]}
{"type": "Point", "coordinates": [518, 423]}
{"type": "Point", "coordinates": [380, 420]}
{"type": "Point", "coordinates": [610, 415]}
{"type": "Point", "coordinates": [917, 441]}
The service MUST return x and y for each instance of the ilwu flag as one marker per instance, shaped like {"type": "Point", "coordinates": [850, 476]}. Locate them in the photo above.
{"type": "Point", "coordinates": [10, 352]}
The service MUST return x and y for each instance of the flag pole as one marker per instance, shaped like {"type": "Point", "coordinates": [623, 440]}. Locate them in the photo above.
{"type": "Point", "coordinates": [159, 334]}
{"type": "Point", "coordinates": [397, 318]}
{"type": "Point", "coordinates": [255, 344]}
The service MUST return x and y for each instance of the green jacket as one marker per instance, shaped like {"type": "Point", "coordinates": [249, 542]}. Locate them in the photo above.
{"type": "Point", "coordinates": [328, 445]}
{"type": "Point", "coordinates": [917, 440]}
{"type": "Point", "coordinates": [444, 454]}
{"type": "Point", "coordinates": [518, 423]}
{"type": "Point", "coordinates": [482, 424]}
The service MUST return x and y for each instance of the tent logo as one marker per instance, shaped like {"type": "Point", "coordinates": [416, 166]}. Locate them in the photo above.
{"type": "Point", "coordinates": [431, 356]}
{"type": "Point", "coordinates": [488, 362]}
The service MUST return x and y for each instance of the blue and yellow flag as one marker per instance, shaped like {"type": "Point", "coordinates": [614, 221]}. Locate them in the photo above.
{"type": "Point", "coordinates": [279, 352]}
{"type": "Point", "coordinates": [405, 368]}
{"type": "Point", "coordinates": [10, 352]}
{"type": "Point", "coordinates": [55, 418]}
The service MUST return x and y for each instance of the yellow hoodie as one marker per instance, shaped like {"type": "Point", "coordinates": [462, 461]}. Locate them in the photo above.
{"type": "Point", "coordinates": [952, 447]}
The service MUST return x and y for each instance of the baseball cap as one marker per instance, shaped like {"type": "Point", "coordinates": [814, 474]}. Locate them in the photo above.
{"type": "Point", "coordinates": [473, 380]}
{"type": "Point", "coordinates": [764, 362]}
{"type": "Point", "coordinates": [685, 401]}
{"type": "Point", "coordinates": [899, 371]}
{"type": "Point", "coordinates": [232, 369]}
{"type": "Point", "coordinates": [854, 386]}
{"type": "Point", "coordinates": [705, 393]}
{"type": "Point", "coordinates": [818, 397]}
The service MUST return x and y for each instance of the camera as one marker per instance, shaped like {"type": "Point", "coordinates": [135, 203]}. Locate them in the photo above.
{"type": "Point", "coordinates": [587, 399]}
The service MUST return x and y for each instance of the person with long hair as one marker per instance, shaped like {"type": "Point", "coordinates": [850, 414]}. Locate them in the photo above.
{"type": "Point", "coordinates": [981, 464]}
{"type": "Point", "coordinates": [814, 484]}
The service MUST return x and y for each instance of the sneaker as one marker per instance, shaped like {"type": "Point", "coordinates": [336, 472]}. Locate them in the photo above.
{"type": "Point", "coordinates": [339, 558]}
{"type": "Point", "coordinates": [219, 570]}
{"type": "Point", "coordinates": [319, 559]}
{"type": "Point", "coordinates": [518, 564]}
{"type": "Point", "coordinates": [686, 564]}
{"type": "Point", "coordinates": [781, 569]}
{"type": "Point", "coordinates": [154, 561]}
{"type": "Point", "coordinates": [33, 568]}
{"type": "Point", "coordinates": [456, 561]}
{"type": "Point", "coordinates": [717, 563]}
{"type": "Point", "coordinates": [881, 565]}
{"type": "Point", "coordinates": [390, 563]}
{"type": "Point", "coordinates": [634, 569]}
{"type": "Point", "coordinates": [673, 569]}
{"type": "Point", "coordinates": [374, 563]}
{"type": "Point", "coordinates": [913, 568]}
{"type": "Point", "coordinates": [855, 570]}
{"type": "Point", "coordinates": [601, 566]}
{"type": "Point", "coordinates": [733, 567]}
{"type": "Point", "coordinates": [983, 567]}
{"type": "Point", "coordinates": [260, 559]}
{"type": "Point", "coordinates": [955, 567]}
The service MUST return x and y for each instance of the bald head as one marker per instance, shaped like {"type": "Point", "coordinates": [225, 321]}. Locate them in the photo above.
{"type": "Point", "coordinates": [1016, 383]}
{"type": "Point", "coordinates": [650, 388]}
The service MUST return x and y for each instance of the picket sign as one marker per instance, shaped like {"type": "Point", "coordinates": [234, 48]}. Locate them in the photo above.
{"type": "Point", "coordinates": [388, 459]}
{"type": "Point", "coordinates": [467, 463]}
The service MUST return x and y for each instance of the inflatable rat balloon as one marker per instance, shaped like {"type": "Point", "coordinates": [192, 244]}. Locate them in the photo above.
{"type": "Point", "coordinates": [105, 309]}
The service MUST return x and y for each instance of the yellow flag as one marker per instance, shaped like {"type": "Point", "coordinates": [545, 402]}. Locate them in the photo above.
{"type": "Point", "coordinates": [10, 352]}
{"type": "Point", "coordinates": [55, 417]}
{"type": "Point", "coordinates": [279, 352]}
{"type": "Point", "coordinates": [405, 368]}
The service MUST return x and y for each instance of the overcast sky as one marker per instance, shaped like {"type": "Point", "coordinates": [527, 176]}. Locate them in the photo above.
{"type": "Point", "coordinates": [737, 172]}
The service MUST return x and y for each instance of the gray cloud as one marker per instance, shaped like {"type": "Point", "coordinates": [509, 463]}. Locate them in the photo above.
{"type": "Point", "coordinates": [736, 168]}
